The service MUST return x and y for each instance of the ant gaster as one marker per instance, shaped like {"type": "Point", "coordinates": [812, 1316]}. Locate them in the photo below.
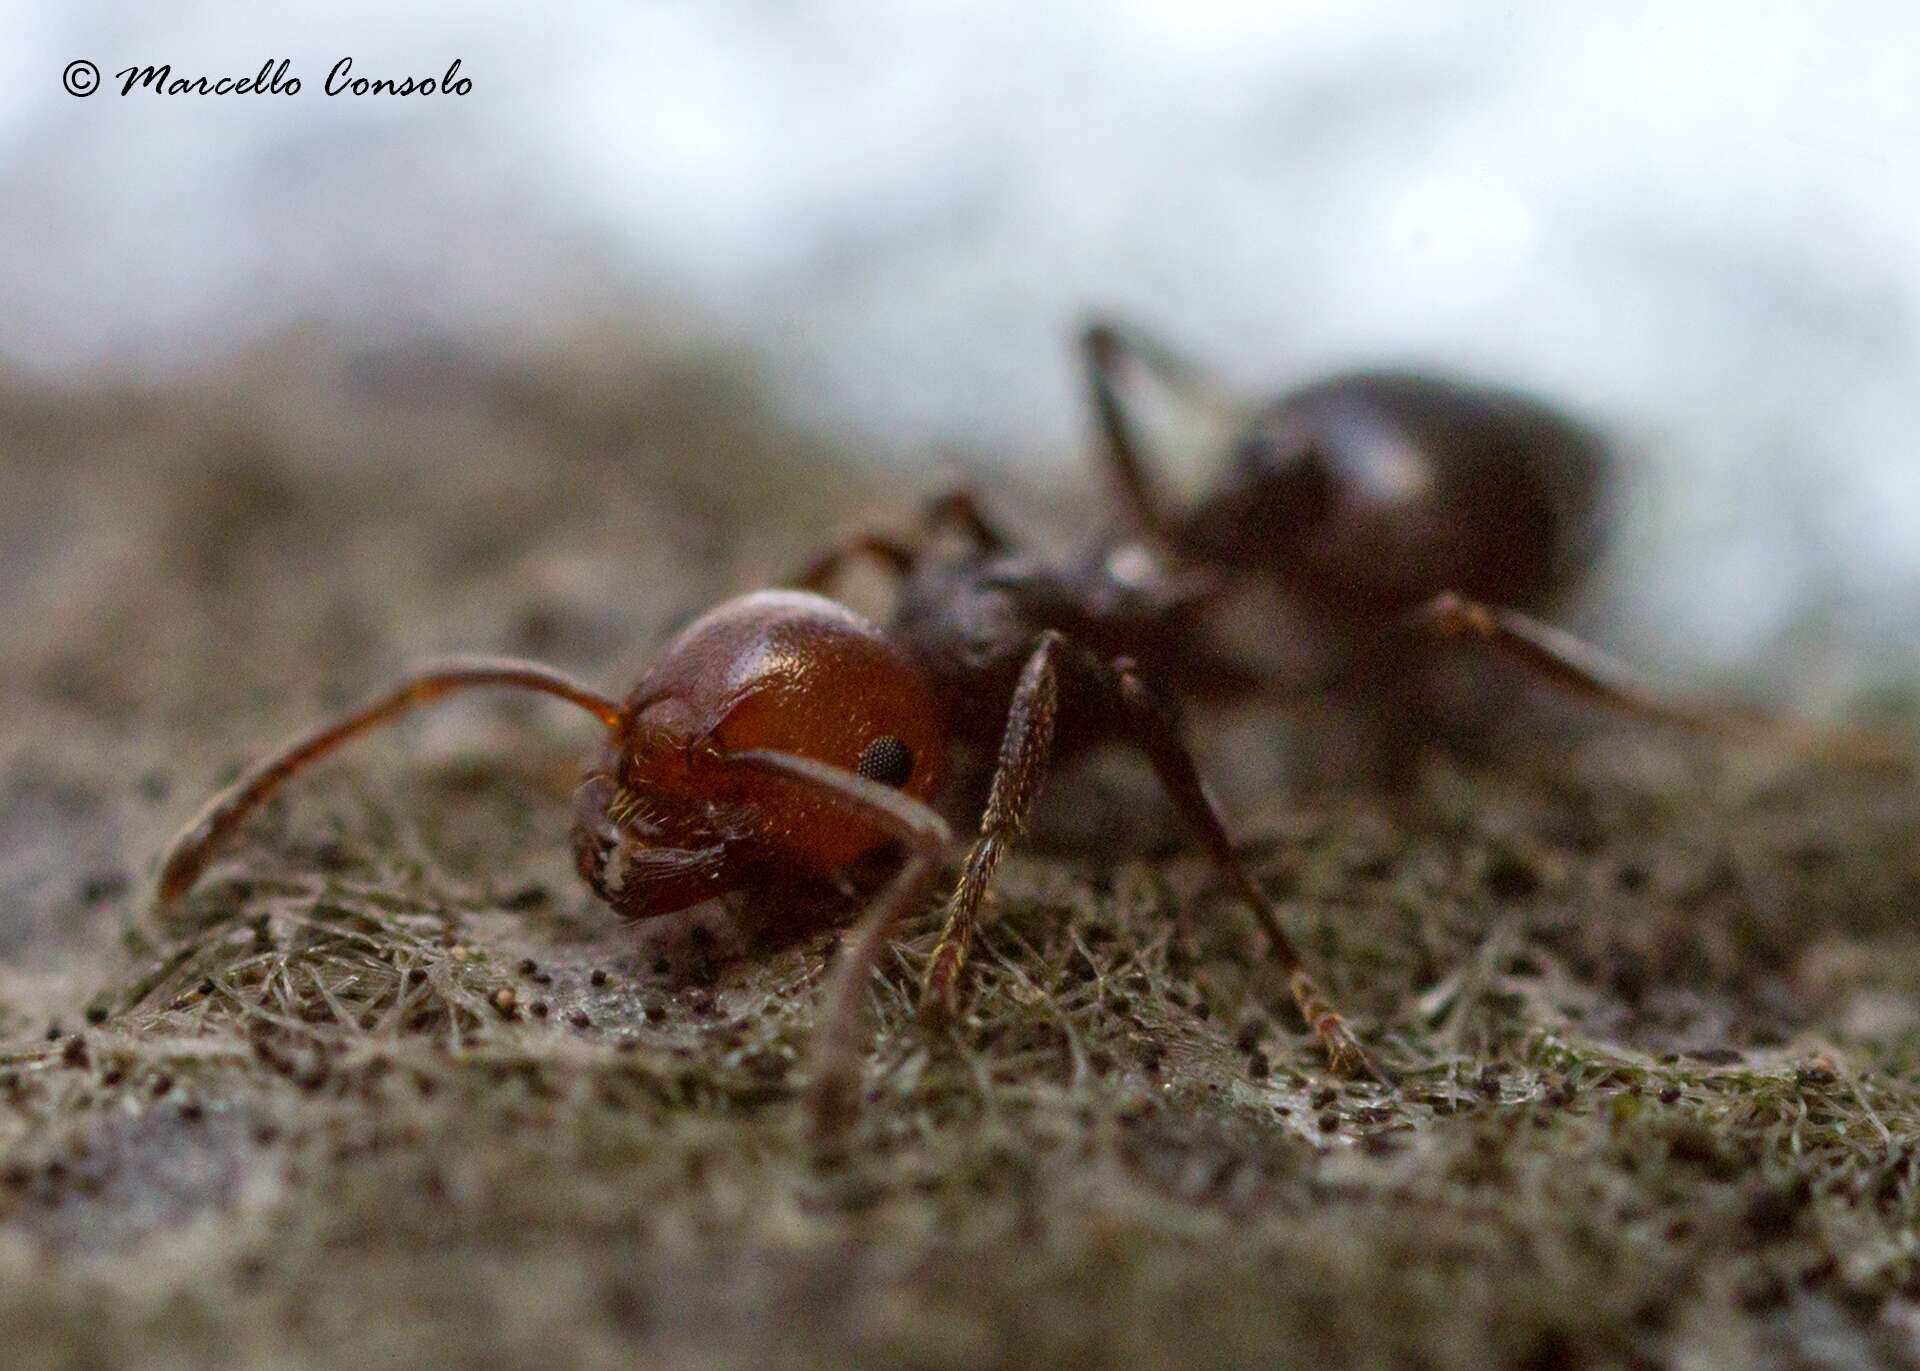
{"type": "Point", "coordinates": [1366, 494]}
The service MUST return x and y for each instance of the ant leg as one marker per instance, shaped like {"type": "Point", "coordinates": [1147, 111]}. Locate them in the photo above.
{"type": "Point", "coordinates": [824, 569]}
{"type": "Point", "coordinates": [832, 1100]}
{"type": "Point", "coordinates": [1158, 735]}
{"type": "Point", "coordinates": [1105, 347]}
{"type": "Point", "coordinates": [1017, 774]}
{"type": "Point", "coordinates": [1580, 669]}
{"type": "Point", "coordinates": [959, 508]}
{"type": "Point", "coordinates": [1016, 782]}
{"type": "Point", "coordinates": [196, 844]}
{"type": "Point", "coordinates": [1102, 347]}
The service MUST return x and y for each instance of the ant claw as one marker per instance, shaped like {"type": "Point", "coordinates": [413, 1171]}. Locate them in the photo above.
{"type": "Point", "coordinates": [940, 996]}
{"type": "Point", "coordinates": [1345, 1056]}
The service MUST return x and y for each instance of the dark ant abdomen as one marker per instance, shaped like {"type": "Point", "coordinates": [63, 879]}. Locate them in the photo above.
{"type": "Point", "coordinates": [1368, 493]}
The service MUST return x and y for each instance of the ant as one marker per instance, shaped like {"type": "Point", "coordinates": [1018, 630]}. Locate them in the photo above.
{"type": "Point", "coordinates": [784, 749]}
{"type": "Point", "coordinates": [783, 743]}
{"type": "Point", "coordinates": [1387, 501]}
{"type": "Point", "coordinates": [1379, 499]}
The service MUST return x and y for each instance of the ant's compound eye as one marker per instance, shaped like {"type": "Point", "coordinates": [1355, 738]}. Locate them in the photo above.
{"type": "Point", "coordinates": [886, 760]}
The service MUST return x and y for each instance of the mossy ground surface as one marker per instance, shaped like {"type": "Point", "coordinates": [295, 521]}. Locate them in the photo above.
{"type": "Point", "coordinates": [1654, 1010]}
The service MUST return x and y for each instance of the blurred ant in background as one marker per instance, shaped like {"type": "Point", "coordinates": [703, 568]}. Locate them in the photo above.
{"type": "Point", "coordinates": [784, 750]}
{"type": "Point", "coordinates": [1381, 500]}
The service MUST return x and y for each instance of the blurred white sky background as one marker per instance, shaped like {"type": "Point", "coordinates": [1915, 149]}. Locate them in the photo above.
{"type": "Point", "coordinates": [1699, 223]}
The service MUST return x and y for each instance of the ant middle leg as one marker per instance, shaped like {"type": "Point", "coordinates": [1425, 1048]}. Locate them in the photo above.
{"type": "Point", "coordinates": [1024, 750]}
{"type": "Point", "coordinates": [1102, 347]}
{"type": "Point", "coordinates": [1106, 347]}
{"type": "Point", "coordinates": [1155, 731]}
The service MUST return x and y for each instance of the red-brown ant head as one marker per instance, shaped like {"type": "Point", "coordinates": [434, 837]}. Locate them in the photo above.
{"type": "Point", "coordinates": [664, 821]}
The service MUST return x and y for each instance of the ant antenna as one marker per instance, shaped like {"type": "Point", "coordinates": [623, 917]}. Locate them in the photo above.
{"type": "Point", "coordinates": [196, 844]}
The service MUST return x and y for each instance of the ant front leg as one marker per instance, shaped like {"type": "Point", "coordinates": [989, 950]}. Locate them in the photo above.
{"type": "Point", "coordinates": [958, 508]}
{"type": "Point", "coordinates": [1017, 774]}
{"type": "Point", "coordinates": [1579, 669]}
{"type": "Point", "coordinates": [1157, 734]}
{"type": "Point", "coordinates": [833, 1098]}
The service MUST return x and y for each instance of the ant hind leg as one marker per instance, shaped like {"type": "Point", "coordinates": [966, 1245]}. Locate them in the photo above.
{"type": "Point", "coordinates": [1583, 671]}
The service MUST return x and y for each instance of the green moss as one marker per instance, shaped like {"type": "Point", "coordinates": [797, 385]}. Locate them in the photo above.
{"type": "Point", "coordinates": [1651, 1013]}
